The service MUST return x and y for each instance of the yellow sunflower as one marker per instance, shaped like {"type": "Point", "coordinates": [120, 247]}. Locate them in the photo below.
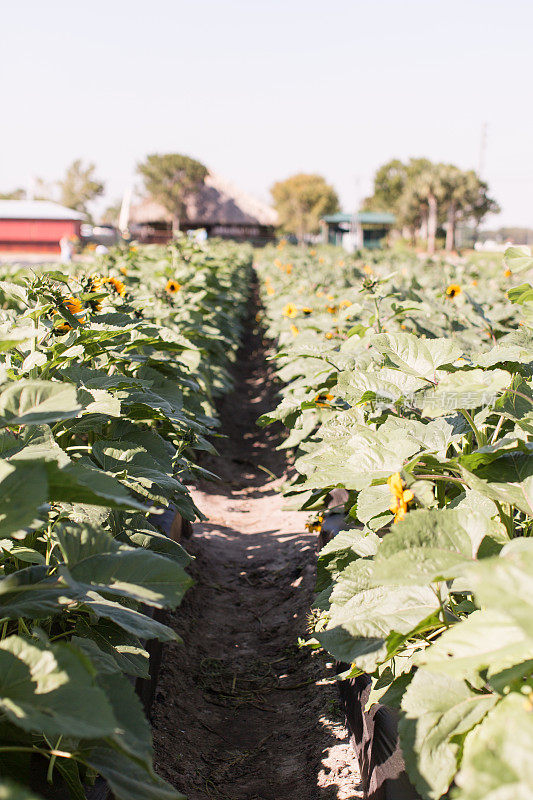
{"type": "Point", "coordinates": [401, 496]}
{"type": "Point", "coordinates": [172, 287]}
{"type": "Point", "coordinates": [323, 400]}
{"type": "Point", "coordinates": [453, 290]}
{"type": "Point", "coordinates": [117, 285]}
{"type": "Point", "coordinates": [290, 311]}
{"type": "Point", "coordinates": [75, 306]}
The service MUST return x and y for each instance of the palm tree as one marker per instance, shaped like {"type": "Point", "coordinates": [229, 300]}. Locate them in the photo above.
{"type": "Point", "coordinates": [429, 187]}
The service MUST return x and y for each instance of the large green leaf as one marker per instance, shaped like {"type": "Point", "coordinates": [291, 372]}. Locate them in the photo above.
{"type": "Point", "coordinates": [127, 778]}
{"type": "Point", "coordinates": [96, 560]}
{"type": "Point", "coordinates": [358, 630]}
{"type": "Point", "coordinates": [436, 709]}
{"type": "Point", "coordinates": [507, 479]}
{"type": "Point", "coordinates": [127, 618]}
{"type": "Point", "coordinates": [29, 402]}
{"type": "Point", "coordinates": [345, 547]}
{"type": "Point", "coordinates": [486, 640]}
{"type": "Point", "coordinates": [415, 356]}
{"type": "Point", "coordinates": [465, 389]}
{"type": "Point", "coordinates": [505, 583]}
{"type": "Point", "coordinates": [497, 763]}
{"type": "Point", "coordinates": [428, 545]}
{"type": "Point", "coordinates": [51, 689]}
{"type": "Point", "coordinates": [32, 592]}
{"type": "Point", "coordinates": [23, 488]}
{"type": "Point", "coordinates": [518, 258]}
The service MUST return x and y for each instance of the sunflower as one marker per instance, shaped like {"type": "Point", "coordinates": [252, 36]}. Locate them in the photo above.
{"type": "Point", "coordinates": [294, 330]}
{"type": "Point", "coordinates": [123, 270]}
{"type": "Point", "coordinates": [315, 525]}
{"type": "Point", "coordinates": [323, 400]}
{"type": "Point", "coordinates": [329, 335]}
{"type": "Point", "coordinates": [331, 309]}
{"type": "Point", "coordinates": [75, 306]}
{"type": "Point", "coordinates": [368, 270]}
{"type": "Point", "coordinates": [281, 244]}
{"type": "Point", "coordinates": [401, 497]}
{"type": "Point", "coordinates": [278, 263]}
{"type": "Point", "coordinates": [345, 304]}
{"type": "Point", "coordinates": [453, 290]}
{"type": "Point", "coordinates": [172, 287]}
{"type": "Point", "coordinates": [290, 310]}
{"type": "Point", "coordinates": [507, 273]}
{"type": "Point", "coordinates": [117, 285]}
{"type": "Point", "coordinates": [306, 310]}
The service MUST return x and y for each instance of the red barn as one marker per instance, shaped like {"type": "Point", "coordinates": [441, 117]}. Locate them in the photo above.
{"type": "Point", "coordinates": [36, 226]}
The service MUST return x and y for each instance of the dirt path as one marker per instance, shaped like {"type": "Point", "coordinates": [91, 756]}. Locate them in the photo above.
{"type": "Point", "coordinates": [239, 712]}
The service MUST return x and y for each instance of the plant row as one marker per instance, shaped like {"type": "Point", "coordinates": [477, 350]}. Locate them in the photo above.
{"type": "Point", "coordinates": [408, 383]}
{"type": "Point", "coordinates": [108, 378]}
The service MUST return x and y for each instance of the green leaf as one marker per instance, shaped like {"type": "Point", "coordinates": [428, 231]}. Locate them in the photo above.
{"type": "Point", "coordinates": [30, 592]}
{"type": "Point", "coordinates": [128, 779]}
{"type": "Point", "coordinates": [347, 546]}
{"type": "Point", "coordinates": [496, 763]}
{"type": "Point", "coordinates": [127, 618]}
{"type": "Point", "coordinates": [486, 640]}
{"type": "Point", "coordinates": [28, 402]}
{"type": "Point", "coordinates": [505, 583]}
{"type": "Point", "coordinates": [428, 545]}
{"type": "Point", "coordinates": [50, 689]}
{"type": "Point", "coordinates": [436, 709]}
{"type": "Point", "coordinates": [518, 258]}
{"type": "Point", "coordinates": [464, 389]}
{"type": "Point", "coordinates": [508, 479]}
{"type": "Point", "coordinates": [358, 630]}
{"type": "Point", "coordinates": [133, 732]}
{"type": "Point", "coordinates": [415, 356]}
{"type": "Point", "coordinates": [96, 560]}
{"type": "Point", "coordinates": [23, 488]}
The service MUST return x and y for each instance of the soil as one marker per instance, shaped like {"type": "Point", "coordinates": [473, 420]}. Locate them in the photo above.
{"type": "Point", "coordinates": [241, 712]}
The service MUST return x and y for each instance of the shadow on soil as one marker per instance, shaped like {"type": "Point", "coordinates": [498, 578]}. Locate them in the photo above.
{"type": "Point", "coordinates": [238, 713]}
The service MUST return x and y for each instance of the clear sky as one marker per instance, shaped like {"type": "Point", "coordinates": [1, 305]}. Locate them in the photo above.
{"type": "Point", "coordinates": [260, 89]}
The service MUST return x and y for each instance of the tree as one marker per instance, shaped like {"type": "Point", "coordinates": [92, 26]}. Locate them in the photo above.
{"type": "Point", "coordinates": [424, 195]}
{"type": "Point", "coordinates": [111, 214]}
{"type": "Point", "coordinates": [15, 194]}
{"type": "Point", "coordinates": [301, 201]}
{"type": "Point", "coordinates": [79, 186]}
{"type": "Point", "coordinates": [172, 179]}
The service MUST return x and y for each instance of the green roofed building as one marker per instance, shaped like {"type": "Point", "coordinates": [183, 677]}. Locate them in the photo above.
{"type": "Point", "coordinates": [355, 231]}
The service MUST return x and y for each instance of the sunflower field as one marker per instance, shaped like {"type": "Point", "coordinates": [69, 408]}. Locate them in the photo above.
{"type": "Point", "coordinates": [407, 385]}
{"type": "Point", "coordinates": [108, 379]}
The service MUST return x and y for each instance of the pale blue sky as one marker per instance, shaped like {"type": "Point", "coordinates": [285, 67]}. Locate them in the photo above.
{"type": "Point", "coordinates": [260, 89]}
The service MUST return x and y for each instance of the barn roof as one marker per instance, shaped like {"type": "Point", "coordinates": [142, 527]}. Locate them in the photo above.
{"type": "Point", "coordinates": [36, 209]}
{"type": "Point", "coordinates": [218, 202]}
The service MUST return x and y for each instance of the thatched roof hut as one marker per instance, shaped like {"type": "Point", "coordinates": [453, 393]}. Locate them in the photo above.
{"type": "Point", "coordinates": [219, 207]}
